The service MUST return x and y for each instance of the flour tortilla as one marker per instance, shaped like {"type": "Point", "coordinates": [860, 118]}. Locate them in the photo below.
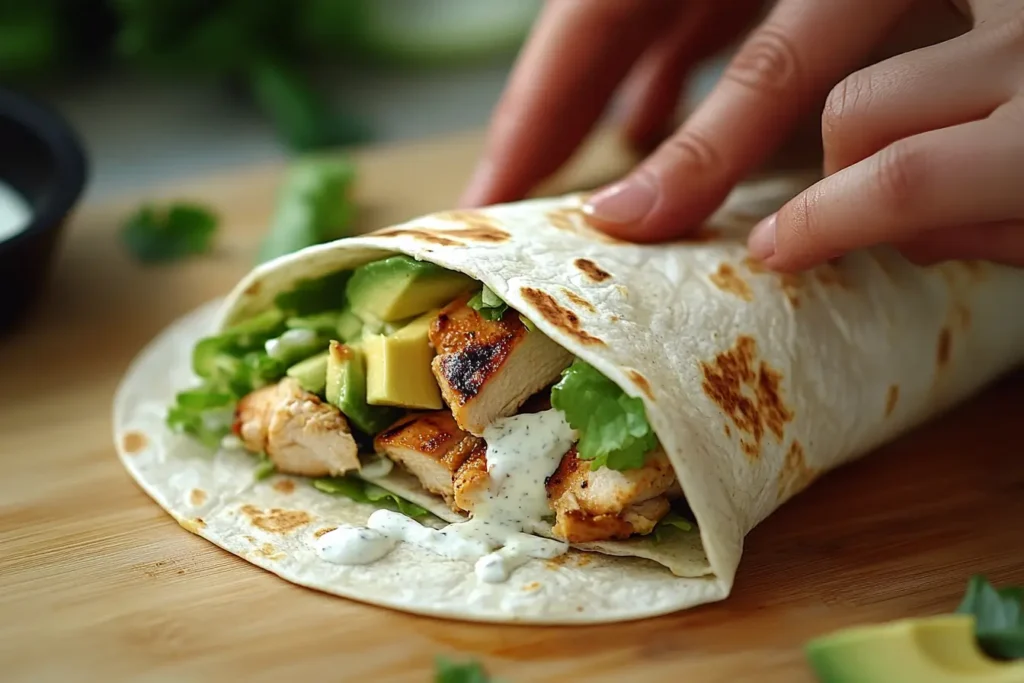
{"type": "Point", "coordinates": [755, 382]}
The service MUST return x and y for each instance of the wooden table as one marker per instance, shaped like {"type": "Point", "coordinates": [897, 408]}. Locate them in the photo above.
{"type": "Point", "coordinates": [98, 583]}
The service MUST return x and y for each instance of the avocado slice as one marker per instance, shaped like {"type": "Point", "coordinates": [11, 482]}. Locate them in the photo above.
{"type": "Point", "coordinates": [398, 367]}
{"type": "Point", "coordinates": [311, 373]}
{"type": "Point", "coordinates": [928, 650]}
{"type": "Point", "coordinates": [346, 389]}
{"type": "Point", "coordinates": [401, 287]}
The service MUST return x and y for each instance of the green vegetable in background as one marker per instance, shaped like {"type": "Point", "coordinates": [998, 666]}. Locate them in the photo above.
{"type": "Point", "coordinates": [313, 207]}
{"type": "Point", "coordinates": [158, 234]}
{"type": "Point", "coordinates": [613, 427]}
{"type": "Point", "coordinates": [365, 492]}
{"type": "Point", "coordinates": [998, 617]}
{"type": "Point", "coordinates": [447, 671]}
{"type": "Point", "coordinates": [488, 304]}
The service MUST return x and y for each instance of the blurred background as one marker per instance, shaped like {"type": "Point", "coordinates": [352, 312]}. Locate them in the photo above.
{"type": "Point", "coordinates": [161, 89]}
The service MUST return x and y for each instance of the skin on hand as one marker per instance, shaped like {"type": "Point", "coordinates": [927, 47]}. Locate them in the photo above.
{"type": "Point", "coordinates": [921, 149]}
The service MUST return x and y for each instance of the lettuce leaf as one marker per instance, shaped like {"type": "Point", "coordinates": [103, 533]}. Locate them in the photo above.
{"type": "Point", "coordinates": [488, 304]}
{"type": "Point", "coordinates": [204, 413]}
{"type": "Point", "coordinates": [613, 427]}
{"type": "Point", "coordinates": [998, 617]}
{"type": "Point", "coordinates": [365, 492]}
{"type": "Point", "coordinates": [668, 524]}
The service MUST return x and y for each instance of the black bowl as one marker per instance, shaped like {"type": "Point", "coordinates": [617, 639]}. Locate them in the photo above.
{"type": "Point", "coordinates": [42, 158]}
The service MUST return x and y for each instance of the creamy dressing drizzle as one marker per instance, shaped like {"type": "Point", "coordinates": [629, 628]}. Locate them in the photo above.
{"type": "Point", "coordinates": [522, 452]}
{"type": "Point", "coordinates": [281, 347]}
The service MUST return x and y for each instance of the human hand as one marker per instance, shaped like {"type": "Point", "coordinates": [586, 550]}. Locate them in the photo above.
{"type": "Point", "coordinates": [923, 151]}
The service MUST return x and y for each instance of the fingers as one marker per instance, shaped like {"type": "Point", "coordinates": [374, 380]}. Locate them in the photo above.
{"type": "Point", "coordinates": [573, 61]}
{"type": "Point", "coordinates": [930, 88]}
{"type": "Point", "coordinates": [997, 242]}
{"type": "Point", "coordinates": [652, 91]}
{"type": "Point", "coordinates": [790, 60]}
{"type": "Point", "coordinates": [910, 188]}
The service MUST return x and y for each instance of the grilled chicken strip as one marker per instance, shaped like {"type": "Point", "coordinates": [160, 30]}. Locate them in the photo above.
{"type": "Point", "coordinates": [487, 369]}
{"type": "Point", "coordinates": [604, 504]}
{"type": "Point", "coordinates": [300, 433]}
{"type": "Point", "coordinates": [431, 447]}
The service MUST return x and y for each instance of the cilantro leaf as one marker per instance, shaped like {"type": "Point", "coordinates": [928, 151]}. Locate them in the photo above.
{"type": "Point", "coordinates": [162, 234]}
{"type": "Point", "coordinates": [672, 521]}
{"type": "Point", "coordinates": [488, 304]}
{"type": "Point", "coordinates": [998, 617]}
{"type": "Point", "coordinates": [447, 671]}
{"type": "Point", "coordinates": [613, 427]}
{"type": "Point", "coordinates": [204, 413]}
{"type": "Point", "coordinates": [364, 492]}
{"type": "Point", "coordinates": [313, 207]}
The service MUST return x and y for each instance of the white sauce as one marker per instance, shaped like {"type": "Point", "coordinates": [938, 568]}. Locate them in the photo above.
{"type": "Point", "coordinates": [375, 467]}
{"type": "Point", "coordinates": [522, 452]}
{"type": "Point", "coordinates": [282, 347]}
{"type": "Point", "coordinates": [15, 212]}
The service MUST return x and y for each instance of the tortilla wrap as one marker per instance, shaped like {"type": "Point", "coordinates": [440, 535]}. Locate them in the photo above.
{"type": "Point", "coordinates": [754, 382]}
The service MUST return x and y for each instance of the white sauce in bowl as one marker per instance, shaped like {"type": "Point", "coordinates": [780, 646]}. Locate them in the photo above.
{"type": "Point", "coordinates": [522, 452]}
{"type": "Point", "coordinates": [15, 212]}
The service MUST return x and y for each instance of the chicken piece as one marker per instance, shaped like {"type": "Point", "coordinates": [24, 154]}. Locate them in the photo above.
{"type": "Point", "coordinates": [430, 446]}
{"type": "Point", "coordinates": [604, 504]}
{"type": "Point", "coordinates": [300, 433]}
{"type": "Point", "coordinates": [488, 369]}
{"type": "Point", "coordinates": [472, 478]}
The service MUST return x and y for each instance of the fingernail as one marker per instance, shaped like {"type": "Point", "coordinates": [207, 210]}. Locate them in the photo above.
{"type": "Point", "coordinates": [627, 201]}
{"type": "Point", "coordinates": [761, 242]}
{"type": "Point", "coordinates": [479, 182]}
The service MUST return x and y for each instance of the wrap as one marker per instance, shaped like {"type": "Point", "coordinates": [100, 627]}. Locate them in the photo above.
{"type": "Point", "coordinates": [755, 383]}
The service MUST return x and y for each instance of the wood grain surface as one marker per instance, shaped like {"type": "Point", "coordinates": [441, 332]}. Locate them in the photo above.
{"type": "Point", "coordinates": [97, 583]}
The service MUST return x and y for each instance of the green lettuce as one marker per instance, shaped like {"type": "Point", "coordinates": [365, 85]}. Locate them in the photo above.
{"type": "Point", "coordinates": [314, 295]}
{"type": "Point", "coordinates": [160, 234]}
{"type": "Point", "coordinates": [488, 304]}
{"type": "Point", "coordinates": [613, 427]}
{"type": "Point", "coordinates": [365, 492]}
{"type": "Point", "coordinates": [670, 523]}
{"type": "Point", "coordinates": [204, 413]}
{"type": "Point", "coordinates": [447, 671]}
{"type": "Point", "coordinates": [265, 467]}
{"type": "Point", "coordinates": [998, 617]}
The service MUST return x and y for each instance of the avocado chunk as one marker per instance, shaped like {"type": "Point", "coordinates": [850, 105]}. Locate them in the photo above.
{"type": "Point", "coordinates": [401, 287]}
{"type": "Point", "coordinates": [346, 389]}
{"type": "Point", "coordinates": [311, 373]}
{"type": "Point", "coordinates": [398, 367]}
{"type": "Point", "coordinates": [928, 650]}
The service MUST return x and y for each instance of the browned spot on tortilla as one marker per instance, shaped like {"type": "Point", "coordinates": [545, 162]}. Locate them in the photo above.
{"type": "Point", "coordinates": [478, 226]}
{"type": "Point", "coordinates": [133, 442]}
{"type": "Point", "coordinates": [253, 289]}
{"type": "Point", "coordinates": [583, 560]}
{"type": "Point", "coordinates": [270, 552]}
{"type": "Point", "coordinates": [192, 525]}
{"type": "Point", "coordinates": [284, 486]}
{"type": "Point", "coordinates": [558, 316]}
{"type": "Point", "coordinates": [945, 342]}
{"type": "Point", "coordinates": [592, 270]}
{"type": "Point", "coordinates": [578, 300]}
{"type": "Point", "coordinates": [641, 382]}
{"type": "Point", "coordinates": [422, 234]}
{"type": "Point", "coordinates": [197, 497]}
{"type": "Point", "coordinates": [727, 430]}
{"type": "Point", "coordinates": [326, 530]}
{"type": "Point", "coordinates": [963, 316]}
{"type": "Point", "coordinates": [727, 280]}
{"type": "Point", "coordinates": [614, 318]}
{"type": "Point", "coordinates": [795, 475]}
{"type": "Point", "coordinates": [532, 586]}
{"type": "Point", "coordinates": [276, 520]}
{"type": "Point", "coordinates": [891, 399]}
{"type": "Point", "coordinates": [702, 234]}
{"type": "Point", "coordinates": [565, 219]}
{"type": "Point", "coordinates": [791, 283]}
{"type": "Point", "coordinates": [749, 393]}
{"type": "Point", "coordinates": [557, 561]}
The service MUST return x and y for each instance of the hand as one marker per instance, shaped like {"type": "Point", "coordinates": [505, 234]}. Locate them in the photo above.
{"type": "Point", "coordinates": [924, 151]}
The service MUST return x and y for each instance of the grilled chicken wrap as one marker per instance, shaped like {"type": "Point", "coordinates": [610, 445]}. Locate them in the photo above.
{"type": "Point", "coordinates": [503, 415]}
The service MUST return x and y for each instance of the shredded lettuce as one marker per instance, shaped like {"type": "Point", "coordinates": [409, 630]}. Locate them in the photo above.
{"type": "Point", "coordinates": [613, 427]}
{"type": "Point", "coordinates": [672, 521]}
{"type": "Point", "coordinates": [203, 413]}
{"type": "Point", "coordinates": [998, 617]}
{"type": "Point", "coordinates": [314, 295]}
{"type": "Point", "coordinates": [365, 492]}
{"type": "Point", "coordinates": [488, 304]}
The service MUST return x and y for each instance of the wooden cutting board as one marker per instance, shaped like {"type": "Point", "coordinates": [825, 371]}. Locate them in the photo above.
{"type": "Point", "coordinates": [98, 583]}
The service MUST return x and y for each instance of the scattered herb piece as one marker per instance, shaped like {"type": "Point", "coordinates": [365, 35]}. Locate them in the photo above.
{"type": "Point", "coordinates": [155, 234]}
{"type": "Point", "coordinates": [365, 492]}
{"type": "Point", "coordinates": [613, 427]}
{"type": "Point", "coordinates": [488, 304]}
{"type": "Point", "coordinates": [998, 617]}
{"type": "Point", "coordinates": [447, 671]}
{"type": "Point", "coordinates": [313, 207]}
